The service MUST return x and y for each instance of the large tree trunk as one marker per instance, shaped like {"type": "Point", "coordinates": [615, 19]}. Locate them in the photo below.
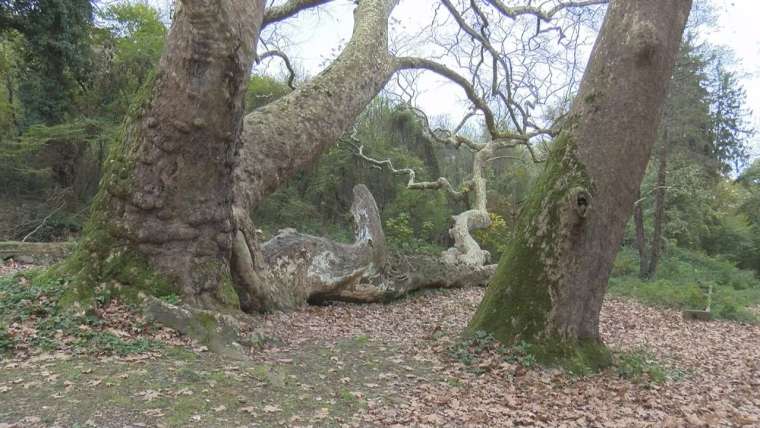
{"type": "Point", "coordinates": [548, 289]}
{"type": "Point", "coordinates": [163, 215]}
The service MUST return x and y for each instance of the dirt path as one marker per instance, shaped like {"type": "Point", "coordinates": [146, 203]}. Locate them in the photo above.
{"type": "Point", "coordinates": [360, 365]}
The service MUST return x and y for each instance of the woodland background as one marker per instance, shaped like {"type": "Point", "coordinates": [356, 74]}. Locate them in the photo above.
{"type": "Point", "coordinates": [62, 100]}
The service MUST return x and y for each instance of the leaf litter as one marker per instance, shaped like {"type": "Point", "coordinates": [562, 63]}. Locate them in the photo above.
{"type": "Point", "coordinates": [392, 365]}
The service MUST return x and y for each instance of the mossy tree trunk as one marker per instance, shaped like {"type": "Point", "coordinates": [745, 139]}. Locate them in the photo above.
{"type": "Point", "coordinates": [549, 286]}
{"type": "Point", "coordinates": [172, 214]}
{"type": "Point", "coordinates": [163, 214]}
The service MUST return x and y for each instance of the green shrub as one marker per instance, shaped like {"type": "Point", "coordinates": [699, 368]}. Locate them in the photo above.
{"type": "Point", "coordinates": [401, 236]}
{"type": "Point", "coordinates": [626, 263]}
{"type": "Point", "coordinates": [495, 238]}
{"type": "Point", "coordinates": [683, 280]}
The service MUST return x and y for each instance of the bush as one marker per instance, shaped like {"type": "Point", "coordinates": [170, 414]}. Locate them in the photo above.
{"type": "Point", "coordinates": [626, 263]}
{"type": "Point", "coordinates": [683, 280]}
{"type": "Point", "coordinates": [495, 239]}
{"type": "Point", "coordinates": [402, 237]}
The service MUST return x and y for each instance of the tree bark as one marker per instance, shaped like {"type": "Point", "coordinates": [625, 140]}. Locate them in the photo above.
{"type": "Point", "coordinates": [659, 209]}
{"type": "Point", "coordinates": [164, 212]}
{"type": "Point", "coordinates": [549, 287]}
{"type": "Point", "coordinates": [315, 269]}
{"type": "Point", "coordinates": [638, 219]}
{"type": "Point", "coordinates": [286, 136]}
{"type": "Point", "coordinates": [466, 250]}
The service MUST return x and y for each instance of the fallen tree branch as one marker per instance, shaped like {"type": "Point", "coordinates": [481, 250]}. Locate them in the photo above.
{"type": "Point", "coordinates": [300, 268]}
{"type": "Point", "coordinates": [35, 252]}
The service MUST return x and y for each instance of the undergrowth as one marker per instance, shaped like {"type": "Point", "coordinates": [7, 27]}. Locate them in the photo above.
{"type": "Point", "coordinates": [641, 366]}
{"type": "Point", "coordinates": [683, 280]}
{"type": "Point", "coordinates": [30, 318]}
{"type": "Point", "coordinates": [470, 351]}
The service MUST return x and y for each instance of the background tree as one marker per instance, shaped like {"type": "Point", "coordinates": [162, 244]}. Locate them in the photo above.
{"type": "Point", "coordinates": [56, 53]}
{"type": "Point", "coordinates": [698, 152]}
{"type": "Point", "coordinates": [51, 171]}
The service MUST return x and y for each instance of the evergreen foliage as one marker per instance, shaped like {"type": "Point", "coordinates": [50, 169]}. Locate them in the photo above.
{"type": "Point", "coordinates": [56, 53]}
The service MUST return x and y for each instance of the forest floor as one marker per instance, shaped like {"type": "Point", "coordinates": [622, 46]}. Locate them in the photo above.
{"type": "Point", "coordinates": [398, 364]}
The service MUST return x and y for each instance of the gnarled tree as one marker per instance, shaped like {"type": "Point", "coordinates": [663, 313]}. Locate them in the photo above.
{"type": "Point", "coordinates": [173, 208]}
{"type": "Point", "coordinates": [549, 286]}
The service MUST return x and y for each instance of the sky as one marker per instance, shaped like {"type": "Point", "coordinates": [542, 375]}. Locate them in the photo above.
{"type": "Point", "coordinates": [737, 28]}
{"type": "Point", "coordinates": [315, 38]}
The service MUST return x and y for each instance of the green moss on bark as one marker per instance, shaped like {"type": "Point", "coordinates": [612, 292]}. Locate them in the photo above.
{"type": "Point", "coordinates": [579, 357]}
{"type": "Point", "coordinates": [518, 301]}
{"type": "Point", "coordinates": [227, 293]}
{"type": "Point", "coordinates": [104, 257]}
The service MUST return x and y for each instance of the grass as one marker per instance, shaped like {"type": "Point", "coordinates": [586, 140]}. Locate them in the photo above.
{"type": "Point", "coordinates": [182, 388]}
{"type": "Point", "coordinates": [682, 281]}
{"type": "Point", "coordinates": [470, 350]}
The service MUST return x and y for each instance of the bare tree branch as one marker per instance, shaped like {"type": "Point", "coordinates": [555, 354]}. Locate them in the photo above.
{"type": "Point", "coordinates": [412, 184]}
{"type": "Point", "coordinates": [498, 59]}
{"type": "Point", "coordinates": [285, 60]}
{"type": "Point", "coordinates": [503, 138]}
{"type": "Point", "coordinates": [514, 12]}
{"type": "Point", "coordinates": [290, 8]}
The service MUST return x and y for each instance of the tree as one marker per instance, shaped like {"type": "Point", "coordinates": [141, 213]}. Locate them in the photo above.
{"type": "Point", "coordinates": [173, 208]}
{"type": "Point", "coordinates": [730, 130]}
{"type": "Point", "coordinates": [549, 287]}
{"type": "Point", "coordinates": [685, 127]}
{"type": "Point", "coordinates": [56, 59]}
{"type": "Point", "coordinates": [702, 136]}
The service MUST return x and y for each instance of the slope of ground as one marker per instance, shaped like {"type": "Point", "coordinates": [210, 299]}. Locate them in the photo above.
{"type": "Point", "coordinates": [399, 364]}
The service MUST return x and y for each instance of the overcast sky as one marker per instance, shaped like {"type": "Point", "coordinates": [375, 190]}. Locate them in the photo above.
{"type": "Point", "coordinates": [316, 38]}
{"type": "Point", "coordinates": [737, 28]}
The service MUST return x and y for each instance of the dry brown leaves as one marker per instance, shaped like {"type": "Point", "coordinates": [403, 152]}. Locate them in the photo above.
{"type": "Point", "coordinates": [9, 267]}
{"type": "Point", "coordinates": [720, 361]}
